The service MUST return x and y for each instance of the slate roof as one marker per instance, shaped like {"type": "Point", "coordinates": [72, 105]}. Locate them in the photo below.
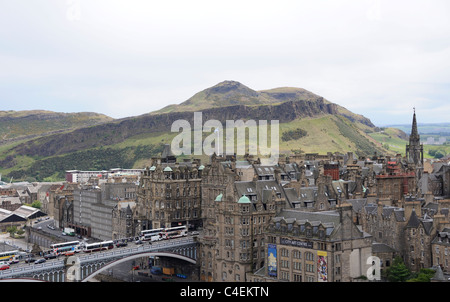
{"type": "Point", "coordinates": [382, 248]}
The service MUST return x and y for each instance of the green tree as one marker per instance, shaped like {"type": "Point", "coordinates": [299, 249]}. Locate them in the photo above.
{"type": "Point", "coordinates": [424, 275]}
{"type": "Point", "coordinates": [36, 204]}
{"type": "Point", "coordinates": [398, 272]}
{"type": "Point", "coordinates": [11, 230]}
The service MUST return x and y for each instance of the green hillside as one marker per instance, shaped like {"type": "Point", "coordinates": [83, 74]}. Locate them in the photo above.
{"type": "Point", "coordinates": [395, 140]}
{"type": "Point", "coordinates": [308, 124]}
{"type": "Point", "coordinates": [33, 123]}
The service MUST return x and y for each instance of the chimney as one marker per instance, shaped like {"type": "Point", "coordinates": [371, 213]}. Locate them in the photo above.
{"type": "Point", "coordinates": [409, 206]}
{"type": "Point", "coordinates": [277, 172]}
{"type": "Point", "coordinates": [345, 211]}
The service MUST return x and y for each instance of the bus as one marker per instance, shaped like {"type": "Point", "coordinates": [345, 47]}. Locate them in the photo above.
{"type": "Point", "coordinates": [153, 234]}
{"type": "Point", "coordinates": [98, 246]}
{"type": "Point", "coordinates": [175, 232]}
{"type": "Point", "coordinates": [11, 256]}
{"type": "Point", "coordinates": [63, 247]}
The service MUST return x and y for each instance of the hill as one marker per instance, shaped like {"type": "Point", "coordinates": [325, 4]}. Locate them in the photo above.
{"type": "Point", "coordinates": [395, 140]}
{"type": "Point", "coordinates": [308, 123]}
{"type": "Point", "coordinates": [231, 93]}
{"type": "Point", "coordinates": [425, 128]}
{"type": "Point", "coordinates": [15, 125]}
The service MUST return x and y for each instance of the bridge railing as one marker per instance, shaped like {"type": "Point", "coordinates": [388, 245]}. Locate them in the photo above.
{"type": "Point", "coordinates": [32, 268]}
{"type": "Point", "coordinates": [134, 250]}
{"type": "Point", "coordinates": [59, 264]}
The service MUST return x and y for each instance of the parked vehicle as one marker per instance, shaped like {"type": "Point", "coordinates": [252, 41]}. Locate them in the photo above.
{"type": "Point", "coordinates": [120, 244]}
{"type": "Point", "coordinates": [50, 256]}
{"type": "Point", "coordinates": [30, 260]}
{"type": "Point", "coordinates": [4, 267]}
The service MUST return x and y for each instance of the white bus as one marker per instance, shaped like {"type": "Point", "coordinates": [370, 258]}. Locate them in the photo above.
{"type": "Point", "coordinates": [175, 232]}
{"type": "Point", "coordinates": [153, 234]}
{"type": "Point", "coordinates": [11, 256]}
{"type": "Point", "coordinates": [98, 246]}
{"type": "Point", "coordinates": [63, 247]}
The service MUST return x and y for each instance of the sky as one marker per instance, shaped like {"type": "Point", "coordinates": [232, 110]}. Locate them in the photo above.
{"type": "Point", "coordinates": [123, 58]}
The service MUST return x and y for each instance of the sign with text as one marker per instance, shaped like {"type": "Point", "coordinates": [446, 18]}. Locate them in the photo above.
{"type": "Point", "coordinates": [297, 243]}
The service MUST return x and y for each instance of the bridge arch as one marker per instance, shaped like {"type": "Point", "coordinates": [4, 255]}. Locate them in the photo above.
{"type": "Point", "coordinates": [140, 255]}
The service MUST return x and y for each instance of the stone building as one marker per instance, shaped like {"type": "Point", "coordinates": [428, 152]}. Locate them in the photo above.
{"type": "Point", "coordinates": [235, 213]}
{"type": "Point", "coordinates": [408, 230]}
{"type": "Point", "coordinates": [169, 194]}
{"type": "Point", "coordinates": [59, 203]}
{"type": "Point", "coordinates": [323, 246]}
{"type": "Point", "coordinates": [93, 208]}
{"type": "Point", "coordinates": [440, 247]}
{"type": "Point", "coordinates": [122, 220]}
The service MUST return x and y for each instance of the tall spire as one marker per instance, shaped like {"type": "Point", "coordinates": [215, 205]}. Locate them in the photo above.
{"type": "Point", "coordinates": [414, 133]}
{"type": "Point", "coordinates": [414, 150]}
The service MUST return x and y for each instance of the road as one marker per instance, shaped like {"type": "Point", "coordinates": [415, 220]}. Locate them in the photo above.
{"type": "Point", "coordinates": [122, 271]}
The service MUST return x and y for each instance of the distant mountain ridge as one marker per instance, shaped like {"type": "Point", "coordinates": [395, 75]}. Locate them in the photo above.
{"type": "Point", "coordinates": [230, 93]}
{"type": "Point", "coordinates": [130, 142]}
{"type": "Point", "coordinates": [33, 123]}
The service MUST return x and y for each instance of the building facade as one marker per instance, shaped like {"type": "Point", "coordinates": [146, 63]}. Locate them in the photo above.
{"type": "Point", "coordinates": [321, 246]}
{"type": "Point", "coordinates": [169, 194]}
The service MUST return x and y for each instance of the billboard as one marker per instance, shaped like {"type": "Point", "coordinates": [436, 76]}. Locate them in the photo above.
{"type": "Point", "coordinates": [322, 266]}
{"type": "Point", "coordinates": [272, 259]}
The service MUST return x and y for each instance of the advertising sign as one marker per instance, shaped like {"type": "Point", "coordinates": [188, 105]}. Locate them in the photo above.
{"type": "Point", "coordinates": [322, 266]}
{"type": "Point", "coordinates": [272, 259]}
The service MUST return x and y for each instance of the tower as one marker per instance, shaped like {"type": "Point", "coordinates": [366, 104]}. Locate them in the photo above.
{"type": "Point", "coordinates": [414, 150]}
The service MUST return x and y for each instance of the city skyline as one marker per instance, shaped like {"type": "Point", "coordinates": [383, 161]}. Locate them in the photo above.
{"type": "Point", "coordinates": [123, 59]}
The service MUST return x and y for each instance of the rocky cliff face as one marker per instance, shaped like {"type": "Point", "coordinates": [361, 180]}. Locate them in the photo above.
{"type": "Point", "coordinates": [116, 132]}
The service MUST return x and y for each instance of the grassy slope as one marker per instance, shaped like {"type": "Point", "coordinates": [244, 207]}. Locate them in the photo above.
{"type": "Point", "coordinates": [324, 135]}
{"type": "Point", "coordinates": [391, 137]}
{"type": "Point", "coordinates": [15, 124]}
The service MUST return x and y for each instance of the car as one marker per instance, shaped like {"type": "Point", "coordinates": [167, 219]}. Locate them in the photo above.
{"type": "Point", "coordinates": [42, 260]}
{"type": "Point", "coordinates": [63, 233]}
{"type": "Point", "coordinates": [138, 242]}
{"type": "Point", "coordinates": [50, 256]}
{"type": "Point", "coordinates": [13, 261]}
{"type": "Point", "coordinates": [69, 253]}
{"type": "Point", "coordinates": [4, 267]}
{"type": "Point", "coordinates": [30, 260]}
{"type": "Point", "coordinates": [120, 244]}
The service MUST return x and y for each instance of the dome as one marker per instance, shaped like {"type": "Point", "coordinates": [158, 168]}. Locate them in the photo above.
{"type": "Point", "coordinates": [244, 199]}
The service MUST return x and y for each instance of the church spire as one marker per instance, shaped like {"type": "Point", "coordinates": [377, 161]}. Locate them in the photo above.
{"type": "Point", "coordinates": [414, 133]}
{"type": "Point", "coordinates": [414, 150]}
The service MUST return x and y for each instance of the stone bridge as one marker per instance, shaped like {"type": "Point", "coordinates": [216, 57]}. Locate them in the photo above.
{"type": "Point", "coordinates": [82, 267]}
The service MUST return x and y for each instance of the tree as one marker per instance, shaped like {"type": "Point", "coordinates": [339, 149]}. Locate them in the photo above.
{"type": "Point", "coordinates": [398, 272]}
{"type": "Point", "coordinates": [424, 275]}
{"type": "Point", "coordinates": [36, 204]}
{"type": "Point", "coordinates": [11, 230]}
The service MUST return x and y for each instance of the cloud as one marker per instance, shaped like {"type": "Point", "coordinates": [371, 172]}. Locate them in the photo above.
{"type": "Point", "coordinates": [123, 58]}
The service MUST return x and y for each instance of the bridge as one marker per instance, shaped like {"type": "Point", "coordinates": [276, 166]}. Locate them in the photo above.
{"type": "Point", "coordinates": [82, 267]}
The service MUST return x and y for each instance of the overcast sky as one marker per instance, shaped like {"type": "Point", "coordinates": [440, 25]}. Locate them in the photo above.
{"type": "Point", "coordinates": [125, 58]}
